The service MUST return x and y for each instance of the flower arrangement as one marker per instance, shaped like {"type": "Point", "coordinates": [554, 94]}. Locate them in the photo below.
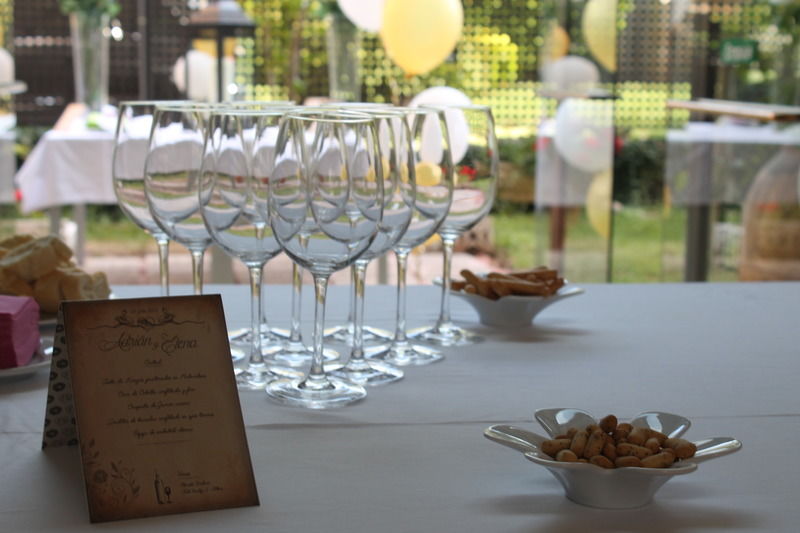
{"type": "Point", "coordinates": [90, 7]}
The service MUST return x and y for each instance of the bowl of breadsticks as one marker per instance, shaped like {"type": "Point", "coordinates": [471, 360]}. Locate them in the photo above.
{"type": "Point", "coordinates": [513, 299]}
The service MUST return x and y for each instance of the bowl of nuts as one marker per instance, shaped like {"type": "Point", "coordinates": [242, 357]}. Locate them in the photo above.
{"type": "Point", "coordinates": [610, 464]}
{"type": "Point", "coordinates": [513, 299]}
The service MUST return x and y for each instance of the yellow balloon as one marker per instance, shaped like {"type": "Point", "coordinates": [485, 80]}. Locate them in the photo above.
{"type": "Point", "coordinates": [598, 204]}
{"type": "Point", "coordinates": [556, 43]}
{"type": "Point", "coordinates": [428, 174]}
{"type": "Point", "coordinates": [419, 34]}
{"type": "Point", "coordinates": [599, 25]}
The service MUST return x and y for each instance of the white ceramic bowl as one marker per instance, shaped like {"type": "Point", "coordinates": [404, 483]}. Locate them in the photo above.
{"type": "Point", "coordinates": [620, 488]}
{"type": "Point", "coordinates": [513, 311]}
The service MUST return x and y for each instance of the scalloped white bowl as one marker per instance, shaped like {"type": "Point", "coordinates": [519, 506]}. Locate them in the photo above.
{"type": "Point", "coordinates": [513, 311]}
{"type": "Point", "coordinates": [620, 488]}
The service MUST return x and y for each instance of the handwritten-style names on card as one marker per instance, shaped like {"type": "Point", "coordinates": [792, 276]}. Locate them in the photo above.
{"type": "Point", "coordinates": [156, 407]}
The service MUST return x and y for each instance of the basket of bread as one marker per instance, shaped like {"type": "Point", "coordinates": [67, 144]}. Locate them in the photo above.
{"type": "Point", "coordinates": [42, 268]}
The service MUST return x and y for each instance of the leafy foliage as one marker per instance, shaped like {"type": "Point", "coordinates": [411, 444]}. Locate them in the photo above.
{"type": "Point", "coordinates": [92, 7]}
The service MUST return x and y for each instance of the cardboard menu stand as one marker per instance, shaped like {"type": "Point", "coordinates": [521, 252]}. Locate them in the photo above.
{"type": "Point", "coordinates": [146, 388]}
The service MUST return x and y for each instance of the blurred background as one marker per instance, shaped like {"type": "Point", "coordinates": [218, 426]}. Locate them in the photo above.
{"type": "Point", "coordinates": [607, 172]}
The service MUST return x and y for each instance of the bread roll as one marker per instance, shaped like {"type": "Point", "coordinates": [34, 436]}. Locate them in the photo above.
{"type": "Point", "coordinates": [34, 259]}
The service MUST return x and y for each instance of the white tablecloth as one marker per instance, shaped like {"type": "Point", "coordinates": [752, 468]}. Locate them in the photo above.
{"type": "Point", "coordinates": [412, 458]}
{"type": "Point", "coordinates": [68, 168]}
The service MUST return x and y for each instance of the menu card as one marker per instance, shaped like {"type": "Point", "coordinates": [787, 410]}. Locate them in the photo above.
{"type": "Point", "coordinates": [146, 388]}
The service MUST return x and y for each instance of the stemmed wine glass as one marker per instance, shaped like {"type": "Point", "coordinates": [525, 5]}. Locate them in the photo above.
{"type": "Point", "coordinates": [344, 332]}
{"type": "Point", "coordinates": [399, 191]}
{"type": "Point", "coordinates": [233, 193]}
{"type": "Point", "coordinates": [172, 171]}
{"type": "Point", "coordinates": [476, 166]}
{"type": "Point", "coordinates": [433, 172]}
{"type": "Point", "coordinates": [325, 216]}
{"type": "Point", "coordinates": [130, 151]}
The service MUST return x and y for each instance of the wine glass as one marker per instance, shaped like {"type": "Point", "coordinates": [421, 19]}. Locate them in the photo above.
{"type": "Point", "coordinates": [325, 216]}
{"type": "Point", "coordinates": [432, 164]}
{"type": "Point", "coordinates": [269, 335]}
{"type": "Point", "coordinates": [344, 332]}
{"type": "Point", "coordinates": [476, 165]}
{"type": "Point", "coordinates": [398, 205]}
{"type": "Point", "coordinates": [233, 196]}
{"type": "Point", "coordinates": [172, 171]}
{"type": "Point", "coordinates": [130, 151]}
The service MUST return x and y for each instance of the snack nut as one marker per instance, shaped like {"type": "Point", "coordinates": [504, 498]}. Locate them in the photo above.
{"type": "Point", "coordinates": [610, 444]}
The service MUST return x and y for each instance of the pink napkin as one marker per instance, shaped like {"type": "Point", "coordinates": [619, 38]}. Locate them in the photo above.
{"type": "Point", "coordinates": [19, 330]}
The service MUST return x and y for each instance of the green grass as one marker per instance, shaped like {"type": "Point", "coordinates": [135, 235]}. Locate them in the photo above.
{"type": "Point", "coordinates": [644, 241]}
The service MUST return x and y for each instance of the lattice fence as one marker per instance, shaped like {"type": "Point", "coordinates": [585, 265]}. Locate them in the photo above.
{"type": "Point", "coordinates": [662, 53]}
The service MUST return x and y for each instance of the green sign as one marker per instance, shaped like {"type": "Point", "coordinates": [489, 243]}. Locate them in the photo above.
{"type": "Point", "coordinates": [738, 51]}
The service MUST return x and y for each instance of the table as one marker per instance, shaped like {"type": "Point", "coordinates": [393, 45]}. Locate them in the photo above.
{"type": "Point", "coordinates": [69, 167]}
{"type": "Point", "coordinates": [412, 458]}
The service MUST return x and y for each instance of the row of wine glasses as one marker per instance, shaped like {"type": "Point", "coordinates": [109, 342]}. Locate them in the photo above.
{"type": "Point", "coordinates": [331, 187]}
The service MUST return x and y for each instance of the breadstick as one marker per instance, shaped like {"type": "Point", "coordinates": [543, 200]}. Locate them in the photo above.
{"type": "Point", "coordinates": [458, 285]}
{"type": "Point", "coordinates": [480, 284]}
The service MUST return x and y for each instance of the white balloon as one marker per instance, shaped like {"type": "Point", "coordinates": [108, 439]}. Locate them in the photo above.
{"type": "Point", "coordinates": [456, 122]}
{"type": "Point", "coordinates": [202, 75]}
{"type": "Point", "coordinates": [6, 66]}
{"type": "Point", "coordinates": [573, 75]}
{"type": "Point", "coordinates": [584, 134]}
{"type": "Point", "coordinates": [366, 14]}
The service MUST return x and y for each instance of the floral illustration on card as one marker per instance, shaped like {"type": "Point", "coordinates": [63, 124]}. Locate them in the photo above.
{"type": "Point", "coordinates": [148, 321]}
{"type": "Point", "coordinates": [110, 483]}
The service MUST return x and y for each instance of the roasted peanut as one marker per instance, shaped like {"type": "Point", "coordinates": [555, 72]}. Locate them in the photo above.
{"type": "Point", "coordinates": [578, 443]}
{"type": "Point", "coordinates": [608, 423]}
{"type": "Point", "coordinates": [553, 446]}
{"type": "Point", "coordinates": [627, 448]}
{"type": "Point", "coordinates": [659, 460]}
{"type": "Point", "coordinates": [652, 445]}
{"type": "Point", "coordinates": [594, 444]}
{"type": "Point", "coordinates": [628, 460]}
{"type": "Point", "coordinates": [609, 450]}
{"type": "Point", "coordinates": [653, 434]}
{"type": "Point", "coordinates": [622, 431]}
{"type": "Point", "coordinates": [566, 456]}
{"type": "Point", "coordinates": [602, 461]}
{"type": "Point", "coordinates": [683, 448]}
{"type": "Point", "coordinates": [637, 436]}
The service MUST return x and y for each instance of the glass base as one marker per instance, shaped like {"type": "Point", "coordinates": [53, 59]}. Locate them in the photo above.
{"type": "Point", "coordinates": [256, 377]}
{"type": "Point", "coordinates": [297, 354]}
{"type": "Point", "coordinates": [253, 377]}
{"type": "Point", "coordinates": [241, 350]}
{"type": "Point", "coordinates": [406, 354]}
{"type": "Point", "coordinates": [267, 335]}
{"type": "Point", "coordinates": [369, 373]}
{"type": "Point", "coordinates": [445, 335]}
{"type": "Point", "coordinates": [324, 393]}
{"type": "Point", "coordinates": [344, 334]}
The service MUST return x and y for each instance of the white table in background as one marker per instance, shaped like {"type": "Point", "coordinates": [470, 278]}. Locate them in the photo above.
{"type": "Point", "coordinates": [68, 167]}
{"type": "Point", "coordinates": [412, 457]}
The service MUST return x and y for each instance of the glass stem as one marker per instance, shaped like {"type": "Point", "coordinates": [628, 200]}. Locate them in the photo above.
{"type": "Point", "coordinates": [163, 264]}
{"type": "Point", "coordinates": [350, 319]}
{"type": "Point", "coordinates": [297, 290]}
{"type": "Point", "coordinates": [447, 248]}
{"type": "Point", "coordinates": [256, 314]}
{"type": "Point", "coordinates": [360, 270]}
{"type": "Point", "coordinates": [317, 372]}
{"type": "Point", "coordinates": [197, 270]}
{"type": "Point", "coordinates": [402, 269]}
